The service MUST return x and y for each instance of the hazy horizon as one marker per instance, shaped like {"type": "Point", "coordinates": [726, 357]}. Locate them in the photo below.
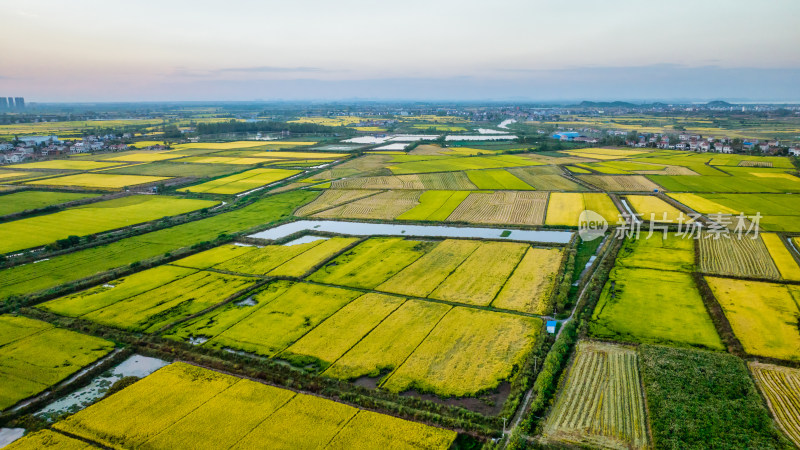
{"type": "Point", "coordinates": [544, 51]}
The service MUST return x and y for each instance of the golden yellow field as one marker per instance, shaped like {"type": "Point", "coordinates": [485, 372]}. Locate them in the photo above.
{"type": "Point", "coordinates": [652, 207]}
{"type": "Point", "coordinates": [332, 198]}
{"type": "Point", "coordinates": [298, 155]}
{"type": "Point", "coordinates": [564, 208]}
{"type": "Point", "coordinates": [782, 257]}
{"type": "Point", "coordinates": [469, 350]}
{"type": "Point", "coordinates": [386, 205]}
{"type": "Point", "coordinates": [183, 406]}
{"type": "Point", "coordinates": [98, 180]}
{"type": "Point", "coordinates": [530, 286]}
{"type": "Point", "coordinates": [502, 207]}
{"type": "Point", "coordinates": [144, 157]}
{"type": "Point", "coordinates": [621, 183]}
{"type": "Point", "coordinates": [763, 315]}
{"type": "Point", "coordinates": [781, 388]}
{"type": "Point", "coordinates": [226, 160]}
{"type": "Point", "coordinates": [701, 204]}
{"type": "Point", "coordinates": [64, 164]}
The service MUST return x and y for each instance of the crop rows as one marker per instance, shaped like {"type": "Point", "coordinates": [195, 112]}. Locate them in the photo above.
{"type": "Point", "coordinates": [385, 205]}
{"type": "Point", "coordinates": [331, 198]}
{"type": "Point", "coordinates": [743, 257]}
{"type": "Point", "coordinates": [35, 355]}
{"type": "Point", "coordinates": [442, 181]}
{"type": "Point", "coordinates": [602, 402]}
{"type": "Point", "coordinates": [623, 183]}
{"type": "Point", "coordinates": [781, 388]}
{"type": "Point", "coordinates": [506, 207]}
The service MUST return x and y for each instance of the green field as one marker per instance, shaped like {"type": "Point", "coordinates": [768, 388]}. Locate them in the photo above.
{"type": "Point", "coordinates": [497, 179]}
{"type": "Point", "coordinates": [35, 355]}
{"type": "Point", "coordinates": [778, 211]}
{"type": "Point", "coordinates": [74, 266]}
{"type": "Point", "coordinates": [241, 182]}
{"type": "Point", "coordinates": [651, 297]}
{"type": "Point", "coordinates": [701, 399]}
{"type": "Point", "coordinates": [286, 260]}
{"type": "Point", "coordinates": [465, 163]}
{"type": "Point", "coordinates": [93, 218]}
{"type": "Point", "coordinates": [26, 200]}
{"type": "Point", "coordinates": [371, 262]}
{"type": "Point", "coordinates": [150, 300]}
{"type": "Point", "coordinates": [435, 205]}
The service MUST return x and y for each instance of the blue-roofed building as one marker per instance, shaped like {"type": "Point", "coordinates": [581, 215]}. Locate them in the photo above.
{"type": "Point", "coordinates": [566, 135]}
{"type": "Point", "coordinates": [551, 326]}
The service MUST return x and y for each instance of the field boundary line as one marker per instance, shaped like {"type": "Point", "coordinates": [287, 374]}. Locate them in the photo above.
{"type": "Point", "coordinates": [80, 438]}
{"type": "Point", "coordinates": [391, 374]}
{"type": "Point", "coordinates": [511, 274]}
{"type": "Point", "coordinates": [268, 415]}
{"type": "Point", "coordinates": [364, 335]}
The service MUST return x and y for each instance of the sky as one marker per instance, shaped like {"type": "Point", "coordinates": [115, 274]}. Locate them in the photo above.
{"type": "Point", "coordinates": [532, 50]}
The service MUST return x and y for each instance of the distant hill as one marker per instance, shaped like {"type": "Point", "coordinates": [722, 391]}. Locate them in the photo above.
{"type": "Point", "coordinates": [607, 104]}
{"type": "Point", "coordinates": [718, 104]}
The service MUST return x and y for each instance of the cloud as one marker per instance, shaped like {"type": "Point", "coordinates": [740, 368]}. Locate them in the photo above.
{"type": "Point", "coordinates": [270, 69]}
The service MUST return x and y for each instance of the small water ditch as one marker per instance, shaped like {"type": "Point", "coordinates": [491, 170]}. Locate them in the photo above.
{"type": "Point", "coordinates": [135, 366]}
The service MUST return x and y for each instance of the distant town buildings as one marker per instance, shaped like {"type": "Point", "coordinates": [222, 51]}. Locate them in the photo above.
{"type": "Point", "coordinates": [12, 103]}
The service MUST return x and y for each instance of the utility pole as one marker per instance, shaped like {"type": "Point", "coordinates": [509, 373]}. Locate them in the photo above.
{"type": "Point", "coordinates": [504, 425]}
{"type": "Point", "coordinates": [535, 363]}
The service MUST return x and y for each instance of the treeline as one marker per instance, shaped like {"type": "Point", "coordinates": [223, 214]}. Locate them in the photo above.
{"type": "Point", "coordinates": [266, 126]}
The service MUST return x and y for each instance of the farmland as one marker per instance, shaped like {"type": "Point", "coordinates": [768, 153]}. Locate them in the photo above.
{"type": "Point", "coordinates": [620, 183]}
{"type": "Point", "coordinates": [435, 205]}
{"type": "Point", "coordinates": [175, 405]}
{"type": "Point", "coordinates": [98, 181]}
{"type": "Point", "coordinates": [700, 399]}
{"type": "Point", "coordinates": [71, 267]}
{"type": "Point", "coordinates": [781, 387]}
{"type": "Point", "coordinates": [651, 207]}
{"type": "Point", "coordinates": [384, 205]}
{"type": "Point", "coordinates": [638, 304]}
{"type": "Point", "coordinates": [153, 304]}
{"type": "Point", "coordinates": [565, 208]}
{"type": "Point", "coordinates": [446, 362]}
{"type": "Point", "coordinates": [35, 355]}
{"type": "Point", "coordinates": [316, 332]}
{"type": "Point", "coordinates": [92, 218]}
{"type": "Point", "coordinates": [26, 200]}
{"type": "Point", "coordinates": [64, 164]}
{"type": "Point", "coordinates": [513, 207]}
{"type": "Point", "coordinates": [752, 307]}
{"type": "Point", "coordinates": [743, 257]}
{"type": "Point", "coordinates": [602, 402]}
{"type": "Point", "coordinates": [497, 179]}
{"type": "Point", "coordinates": [241, 182]}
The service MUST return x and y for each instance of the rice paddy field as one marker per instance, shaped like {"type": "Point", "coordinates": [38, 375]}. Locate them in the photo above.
{"type": "Point", "coordinates": [64, 164]}
{"type": "Point", "coordinates": [621, 183]}
{"type": "Point", "coordinates": [175, 406]}
{"type": "Point", "coordinates": [35, 355]}
{"type": "Point", "coordinates": [565, 208]}
{"type": "Point", "coordinates": [67, 268]}
{"type": "Point", "coordinates": [651, 297]}
{"type": "Point", "coordinates": [601, 403]}
{"type": "Point", "coordinates": [778, 211]}
{"type": "Point", "coordinates": [653, 208]}
{"type": "Point", "coordinates": [245, 181]}
{"type": "Point", "coordinates": [347, 329]}
{"type": "Point", "coordinates": [92, 218]}
{"type": "Point", "coordinates": [781, 388]}
{"type": "Point", "coordinates": [732, 256]}
{"type": "Point", "coordinates": [16, 202]}
{"type": "Point", "coordinates": [755, 306]}
{"type": "Point", "coordinates": [104, 181]}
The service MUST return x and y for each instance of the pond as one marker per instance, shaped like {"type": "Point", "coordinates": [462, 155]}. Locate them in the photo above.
{"type": "Point", "coordinates": [385, 229]}
{"type": "Point", "coordinates": [135, 366]}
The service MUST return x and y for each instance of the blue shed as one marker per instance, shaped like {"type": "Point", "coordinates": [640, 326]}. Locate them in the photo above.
{"type": "Point", "coordinates": [551, 326]}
